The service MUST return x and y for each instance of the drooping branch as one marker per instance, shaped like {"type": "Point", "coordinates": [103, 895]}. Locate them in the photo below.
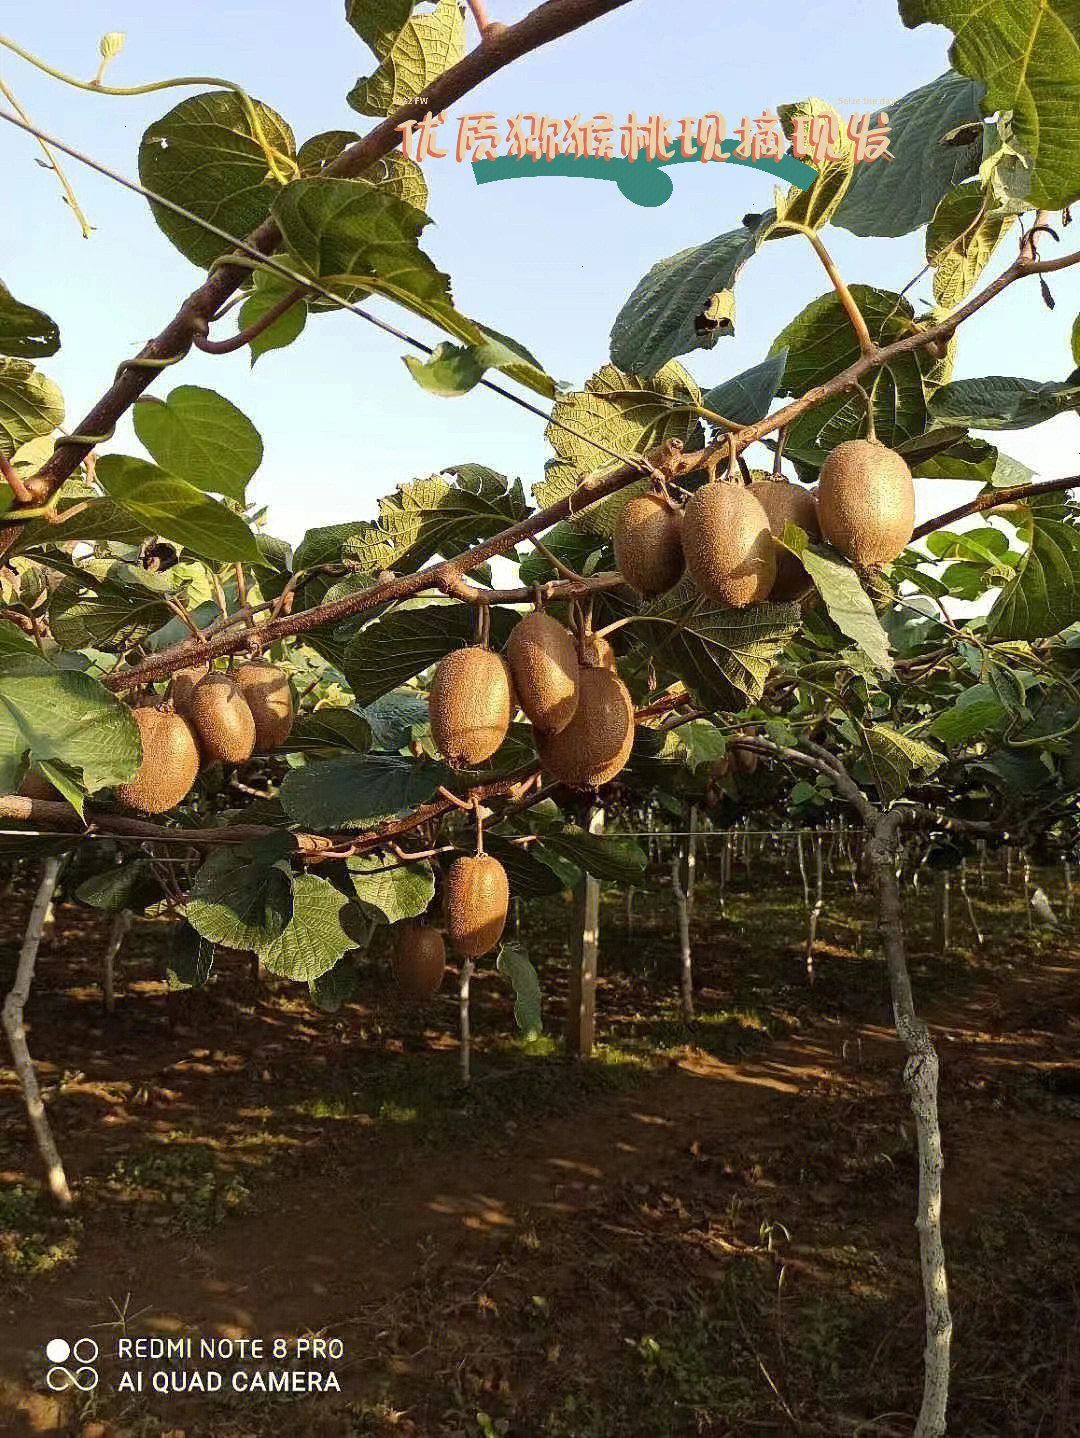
{"type": "Point", "coordinates": [499, 48]}
{"type": "Point", "coordinates": [996, 499]}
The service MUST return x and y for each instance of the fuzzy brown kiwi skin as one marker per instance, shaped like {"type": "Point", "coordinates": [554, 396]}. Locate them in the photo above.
{"type": "Point", "coordinates": [475, 901]}
{"type": "Point", "coordinates": [544, 662]}
{"type": "Point", "coordinates": [183, 683]}
{"type": "Point", "coordinates": [866, 502]}
{"type": "Point", "coordinates": [728, 545]}
{"type": "Point", "coordinates": [785, 504]}
{"type": "Point", "coordinates": [596, 744]}
{"type": "Point", "coordinates": [469, 706]}
{"type": "Point", "coordinates": [648, 544]}
{"type": "Point", "coordinates": [170, 762]}
{"type": "Point", "coordinates": [220, 716]}
{"type": "Point", "coordinates": [418, 958]}
{"type": "Point", "coordinates": [266, 690]}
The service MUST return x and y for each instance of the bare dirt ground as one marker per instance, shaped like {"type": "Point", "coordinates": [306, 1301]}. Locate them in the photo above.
{"type": "Point", "coordinates": [705, 1232]}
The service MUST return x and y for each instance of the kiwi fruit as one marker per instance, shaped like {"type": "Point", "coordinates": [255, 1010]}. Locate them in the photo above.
{"type": "Point", "coordinates": [544, 662]}
{"type": "Point", "coordinates": [469, 706]}
{"type": "Point", "coordinates": [745, 761]}
{"type": "Point", "coordinates": [648, 544]}
{"type": "Point", "coordinates": [266, 691]}
{"type": "Point", "coordinates": [418, 958]}
{"type": "Point", "coordinates": [221, 718]}
{"type": "Point", "coordinates": [866, 502]}
{"type": "Point", "coordinates": [182, 684]}
{"type": "Point", "coordinates": [35, 786]}
{"type": "Point", "coordinates": [728, 545]}
{"type": "Point", "coordinates": [596, 744]}
{"type": "Point", "coordinates": [785, 504]}
{"type": "Point", "coordinates": [170, 761]}
{"type": "Point", "coordinates": [475, 901]}
{"type": "Point", "coordinates": [595, 652]}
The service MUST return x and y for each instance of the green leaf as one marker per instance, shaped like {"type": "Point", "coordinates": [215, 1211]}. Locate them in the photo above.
{"type": "Point", "coordinates": [1027, 53]}
{"type": "Point", "coordinates": [399, 646]}
{"type": "Point", "coordinates": [1044, 596]}
{"type": "Point", "coordinates": [615, 414]}
{"type": "Point", "coordinates": [177, 510]}
{"type": "Point", "coordinates": [107, 617]}
{"type": "Point", "coordinates": [722, 655]}
{"type": "Point", "coordinates": [893, 197]}
{"type": "Point", "coordinates": [1002, 402]}
{"type": "Point", "coordinates": [355, 791]}
{"type": "Point", "coordinates": [199, 436]}
{"type": "Point", "coordinates": [847, 602]}
{"type": "Point", "coordinates": [326, 732]}
{"type": "Point", "coordinates": [434, 516]}
{"type": "Point", "coordinates": [129, 885]}
{"type": "Point", "coordinates": [533, 872]}
{"type": "Point", "coordinates": [330, 990]}
{"type": "Point", "coordinates": [313, 940]}
{"type": "Point", "coordinates": [48, 713]}
{"type": "Point", "coordinates": [30, 405]}
{"type": "Point", "coordinates": [203, 155]}
{"type": "Point", "coordinates": [814, 206]}
{"type": "Point", "coordinates": [414, 50]}
{"type": "Point", "coordinates": [583, 552]}
{"type": "Point", "coordinates": [269, 290]}
{"type": "Point", "coordinates": [746, 397]}
{"type": "Point", "coordinates": [391, 891]}
{"type": "Point", "coordinates": [192, 960]}
{"type": "Point", "coordinates": [514, 963]}
{"type": "Point", "coordinates": [25, 333]}
{"type": "Point", "coordinates": [675, 308]}
{"type": "Point", "coordinates": [695, 744]}
{"type": "Point", "coordinates": [606, 857]}
{"type": "Point", "coordinates": [977, 712]}
{"type": "Point", "coordinates": [393, 718]}
{"type": "Point", "coordinates": [242, 896]}
{"type": "Point", "coordinates": [456, 369]}
{"type": "Point", "coordinates": [100, 520]}
{"type": "Point", "coordinates": [960, 239]}
{"type": "Point", "coordinates": [821, 343]}
{"type": "Point", "coordinates": [894, 757]}
{"type": "Point", "coordinates": [1075, 340]}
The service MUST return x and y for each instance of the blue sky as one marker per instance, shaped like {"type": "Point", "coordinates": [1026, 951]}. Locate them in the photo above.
{"type": "Point", "coordinates": [549, 261]}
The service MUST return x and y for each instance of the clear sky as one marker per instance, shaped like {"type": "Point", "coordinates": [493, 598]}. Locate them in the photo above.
{"type": "Point", "coordinates": [549, 261]}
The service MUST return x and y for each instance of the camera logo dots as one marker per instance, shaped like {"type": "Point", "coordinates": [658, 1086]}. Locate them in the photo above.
{"type": "Point", "coordinates": [83, 1352]}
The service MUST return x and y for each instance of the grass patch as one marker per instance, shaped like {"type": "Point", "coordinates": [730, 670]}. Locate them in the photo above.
{"type": "Point", "coordinates": [188, 1180]}
{"type": "Point", "coordinates": [34, 1238]}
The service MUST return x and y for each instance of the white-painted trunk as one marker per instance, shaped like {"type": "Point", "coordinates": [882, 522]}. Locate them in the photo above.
{"type": "Point", "coordinates": [1027, 890]}
{"type": "Point", "coordinates": [686, 963]}
{"type": "Point", "coordinates": [117, 934]}
{"type": "Point", "coordinates": [14, 1006]}
{"type": "Point", "coordinates": [465, 1054]}
{"type": "Point", "coordinates": [800, 853]}
{"type": "Point", "coordinates": [691, 858]}
{"type": "Point", "coordinates": [968, 905]}
{"type": "Point", "coordinates": [815, 912]}
{"type": "Point", "coordinates": [921, 1082]}
{"type": "Point", "coordinates": [941, 912]}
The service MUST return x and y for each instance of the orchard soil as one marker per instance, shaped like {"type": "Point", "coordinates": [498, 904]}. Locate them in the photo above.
{"type": "Point", "coordinates": [700, 1231]}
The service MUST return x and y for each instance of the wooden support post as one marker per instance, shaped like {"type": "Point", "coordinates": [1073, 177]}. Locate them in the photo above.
{"type": "Point", "coordinates": [585, 944]}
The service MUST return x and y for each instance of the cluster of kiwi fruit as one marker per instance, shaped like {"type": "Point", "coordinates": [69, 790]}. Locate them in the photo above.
{"type": "Point", "coordinates": [475, 901]}
{"type": "Point", "coordinates": [864, 505]}
{"type": "Point", "coordinates": [580, 710]}
{"type": "Point", "coordinates": [207, 716]}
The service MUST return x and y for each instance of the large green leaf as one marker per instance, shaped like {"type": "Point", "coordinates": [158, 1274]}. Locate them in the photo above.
{"type": "Point", "coordinates": [514, 963]}
{"type": "Point", "coordinates": [892, 197]}
{"type": "Point", "coordinates": [614, 859]}
{"type": "Point", "coordinates": [313, 940]}
{"type": "Point", "coordinates": [390, 890]}
{"type": "Point", "coordinates": [436, 516]}
{"type": "Point", "coordinates": [177, 510]}
{"type": "Point", "coordinates": [821, 342]}
{"type": "Point", "coordinates": [847, 602]}
{"type": "Point", "coordinates": [893, 757]}
{"type": "Point", "coordinates": [815, 205]}
{"type": "Point", "coordinates": [30, 405]}
{"type": "Point", "coordinates": [960, 239]}
{"type": "Point", "coordinates": [532, 871]}
{"type": "Point", "coordinates": [684, 303]}
{"type": "Point", "coordinates": [107, 617]}
{"type": "Point", "coordinates": [977, 712]}
{"type": "Point", "coordinates": [722, 655]}
{"type": "Point", "coordinates": [1002, 402]}
{"type": "Point", "coordinates": [355, 791]}
{"type": "Point", "coordinates": [61, 714]}
{"type": "Point", "coordinates": [192, 960]}
{"type": "Point", "coordinates": [413, 50]}
{"type": "Point", "coordinates": [746, 397]}
{"type": "Point", "coordinates": [393, 718]}
{"type": "Point", "coordinates": [25, 333]}
{"type": "Point", "coordinates": [203, 155]}
{"type": "Point", "coordinates": [198, 435]}
{"type": "Point", "coordinates": [1027, 54]}
{"type": "Point", "coordinates": [326, 732]}
{"type": "Point", "coordinates": [129, 885]}
{"type": "Point", "coordinates": [1044, 596]}
{"type": "Point", "coordinates": [267, 292]}
{"type": "Point", "coordinates": [362, 238]}
{"type": "Point", "coordinates": [242, 896]}
{"type": "Point", "coordinates": [615, 415]}
{"type": "Point", "coordinates": [397, 647]}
